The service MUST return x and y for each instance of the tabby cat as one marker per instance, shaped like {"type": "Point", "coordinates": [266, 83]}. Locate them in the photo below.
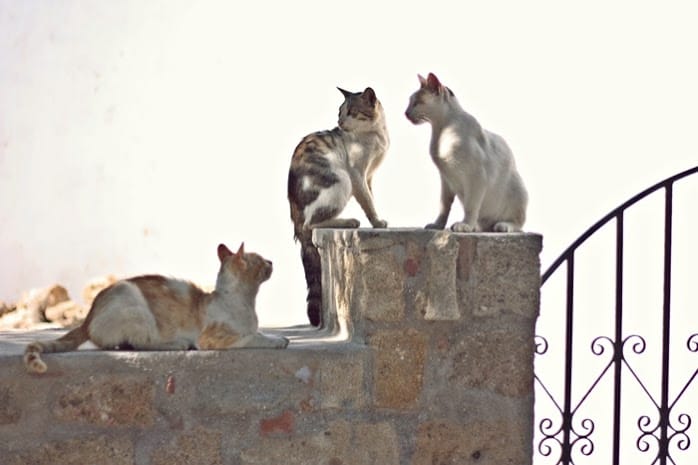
{"type": "Point", "coordinates": [327, 169]}
{"type": "Point", "coordinates": [474, 164]}
{"type": "Point", "coordinates": [159, 313]}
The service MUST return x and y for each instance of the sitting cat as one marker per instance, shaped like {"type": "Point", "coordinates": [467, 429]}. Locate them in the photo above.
{"type": "Point", "coordinates": [159, 313]}
{"type": "Point", "coordinates": [475, 165]}
{"type": "Point", "coordinates": [327, 168]}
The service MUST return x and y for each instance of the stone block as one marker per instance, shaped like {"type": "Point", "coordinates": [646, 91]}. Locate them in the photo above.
{"type": "Point", "coordinates": [375, 444]}
{"type": "Point", "coordinates": [109, 401]}
{"type": "Point", "coordinates": [499, 361]}
{"type": "Point", "coordinates": [327, 445]}
{"type": "Point", "coordinates": [198, 446]}
{"type": "Point", "coordinates": [103, 450]}
{"type": "Point", "coordinates": [342, 384]}
{"type": "Point", "coordinates": [442, 254]}
{"type": "Point", "coordinates": [398, 368]}
{"type": "Point", "coordinates": [263, 380]}
{"type": "Point", "coordinates": [379, 286]}
{"type": "Point", "coordinates": [482, 443]}
{"type": "Point", "coordinates": [9, 410]}
{"type": "Point", "coordinates": [506, 275]}
{"type": "Point", "coordinates": [338, 443]}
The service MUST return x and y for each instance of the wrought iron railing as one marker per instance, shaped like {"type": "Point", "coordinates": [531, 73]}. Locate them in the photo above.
{"type": "Point", "coordinates": [571, 437]}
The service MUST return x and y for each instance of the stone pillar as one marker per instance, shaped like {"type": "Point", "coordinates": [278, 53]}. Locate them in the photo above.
{"type": "Point", "coordinates": [450, 321]}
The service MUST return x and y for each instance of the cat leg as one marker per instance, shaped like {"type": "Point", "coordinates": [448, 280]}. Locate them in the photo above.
{"type": "Point", "coordinates": [263, 341]}
{"type": "Point", "coordinates": [362, 194]}
{"type": "Point", "coordinates": [505, 227]}
{"type": "Point", "coordinates": [447, 196]}
{"type": "Point", "coordinates": [325, 217]}
{"type": "Point", "coordinates": [471, 207]}
{"type": "Point", "coordinates": [219, 335]}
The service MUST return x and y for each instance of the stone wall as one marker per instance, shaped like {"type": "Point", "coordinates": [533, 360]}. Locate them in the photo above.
{"type": "Point", "coordinates": [427, 359]}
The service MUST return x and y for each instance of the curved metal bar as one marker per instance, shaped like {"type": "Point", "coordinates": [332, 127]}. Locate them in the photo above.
{"type": "Point", "coordinates": [636, 198]}
{"type": "Point", "coordinates": [572, 436]}
{"type": "Point", "coordinates": [546, 426]}
{"type": "Point", "coordinates": [587, 445]}
{"type": "Point", "coordinates": [541, 344]}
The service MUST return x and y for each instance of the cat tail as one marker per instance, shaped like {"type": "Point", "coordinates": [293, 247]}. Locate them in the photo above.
{"type": "Point", "coordinates": [313, 275]}
{"type": "Point", "coordinates": [70, 341]}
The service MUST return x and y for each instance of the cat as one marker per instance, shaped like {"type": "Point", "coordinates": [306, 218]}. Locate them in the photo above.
{"type": "Point", "coordinates": [475, 165]}
{"type": "Point", "coordinates": [327, 169]}
{"type": "Point", "coordinates": [154, 312]}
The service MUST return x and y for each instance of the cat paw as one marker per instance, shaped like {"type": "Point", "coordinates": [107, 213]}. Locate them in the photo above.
{"type": "Point", "coordinates": [280, 342]}
{"type": "Point", "coordinates": [352, 223]}
{"type": "Point", "coordinates": [434, 226]}
{"type": "Point", "coordinates": [379, 224]}
{"type": "Point", "coordinates": [462, 227]}
{"type": "Point", "coordinates": [504, 227]}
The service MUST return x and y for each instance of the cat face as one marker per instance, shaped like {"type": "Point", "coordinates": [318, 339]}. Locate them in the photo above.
{"type": "Point", "coordinates": [249, 267]}
{"type": "Point", "coordinates": [360, 110]}
{"type": "Point", "coordinates": [427, 101]}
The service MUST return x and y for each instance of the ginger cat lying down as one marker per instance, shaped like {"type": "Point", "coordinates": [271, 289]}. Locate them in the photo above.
{"type": "Point", "coordinates": [155, 312]}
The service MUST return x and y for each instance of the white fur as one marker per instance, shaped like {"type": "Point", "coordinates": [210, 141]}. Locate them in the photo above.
{"type": "Point", "coordinates": [124, 316]}
{"type": "Point", "coordinates": [474, 164]}
{"type": "Point", "coordinates": [337, 194]}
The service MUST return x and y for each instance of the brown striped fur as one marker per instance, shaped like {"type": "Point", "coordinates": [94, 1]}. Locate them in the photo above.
{"type": "Point", "coordinates": [327, 169]}
{"type": "Point", "coordinates": [159, 313]}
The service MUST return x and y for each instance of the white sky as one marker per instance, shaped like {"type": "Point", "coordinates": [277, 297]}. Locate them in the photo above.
{"type": "Point", "coordinates": [137, 135]}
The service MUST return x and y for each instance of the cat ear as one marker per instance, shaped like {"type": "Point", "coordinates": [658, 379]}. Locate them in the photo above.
{"type": "Point", "coordinates": [422, 80]}
{"type": "Point", "coordinates": [241, 250]}
{"type": "Point", "coordinates": [369, 95]}
{"type": "Point", "coordinates": [223, 252]}
{"type": "Point", "coordinates": [433, 83]}
{"type": "Point", "coordinates": [345, 93]}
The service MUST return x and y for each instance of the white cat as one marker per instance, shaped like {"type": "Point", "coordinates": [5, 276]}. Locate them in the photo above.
{"type": "Point", "coordinates": [475, 165]}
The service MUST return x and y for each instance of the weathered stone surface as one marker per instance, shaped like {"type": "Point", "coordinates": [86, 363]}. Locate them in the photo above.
{"type": "Point", "coordinates": [398, 368]}
{"type": "Point", "coordinates": [506, 276]}
{"type": "Point", "coordinates": [379, 286]}
{"type": "Point", "coordinates": [482, 443]}
{"type": "Point", "coordinates": [111, 401]}
{"type": "Point", "coordinates": [103, 450]}
{"type": "Point", "coordinates": [340, 443]}
{"type": "Point", "coordinates": [275, 382]}
{"type": "Point", "coordinates": [330, 445]}
{"type": "Point", "coordinates": [9, 410]}
{"type": "Point", "coordinates": [342, 384]}
{"type": "Point", "coordinates": [499, 361]}
{"type": "Point", "coordinates": [199, 446]}
{"type": "Point", "coordinates": [441, 302]}
{"type": "Point", "coordinates": [282, 424]}
{"type": "Point", "coordinates": [375, 444]}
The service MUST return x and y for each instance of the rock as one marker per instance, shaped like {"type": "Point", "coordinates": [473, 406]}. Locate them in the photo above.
{"type": "Point", "coordinates": [5, 308]}
{"type": "Point", "coordinates": [67, 314]}
{"type": "Point", "coordinates": [31, 308]}
{"type": "Point", "coordinates": [94, 287]}
{"type": "Point", "coordinates": [36, 301]}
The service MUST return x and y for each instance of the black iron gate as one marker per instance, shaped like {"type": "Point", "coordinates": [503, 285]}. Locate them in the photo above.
{"type": "Point", "coordinates": [658, 435]}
